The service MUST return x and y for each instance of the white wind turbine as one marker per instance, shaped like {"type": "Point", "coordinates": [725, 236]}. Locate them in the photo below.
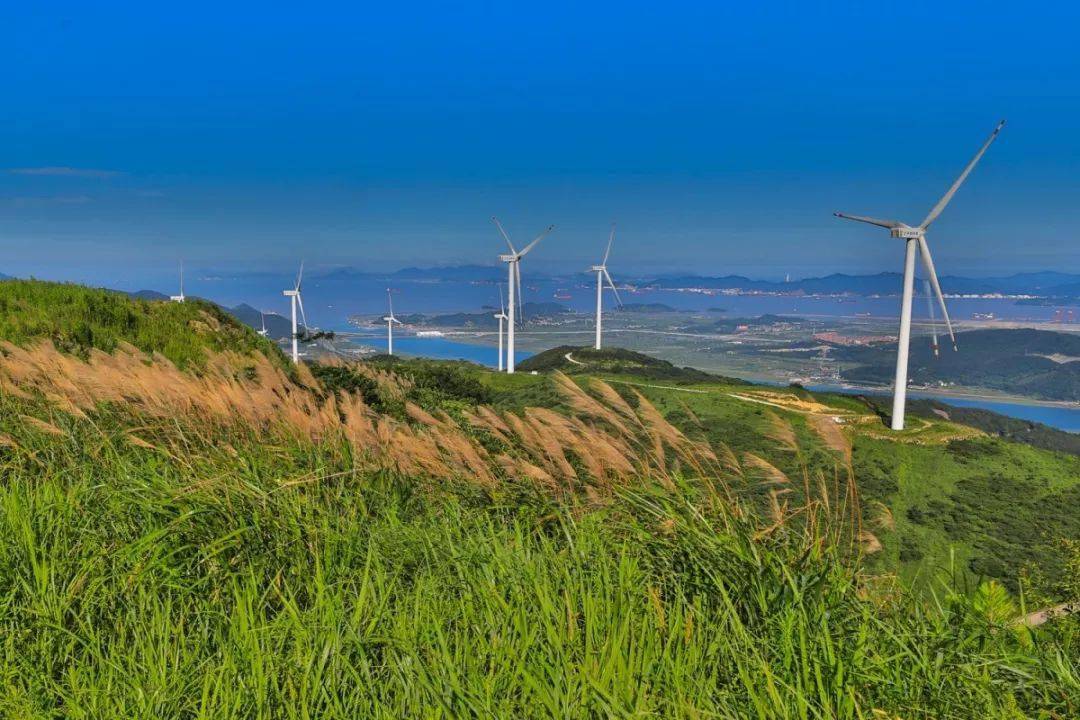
{"type": "Point", "coordinates": [262, 317]}
{"type": "Point", "coordinates": [295, 300]}
{"type": "Point", "coordinates": [513, 265]}
{"type": "Point", "coordinates": [180, 297]}
{"type": "Point", "coordinates": [915, 238]}
{"type": "Point", "coordinates": [390, 320]}
{"type": "Point", "coordinates": [501, 317]}
{"type": "Point", "coordinates": [601, 275]}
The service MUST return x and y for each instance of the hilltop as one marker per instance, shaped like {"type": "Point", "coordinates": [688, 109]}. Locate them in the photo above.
{"type": "Point", "coordinates": [576, 359]}
{"type": "Point", "coordinates": [78, 319]}
{"type": "Point", "coordinates": [207, 528]}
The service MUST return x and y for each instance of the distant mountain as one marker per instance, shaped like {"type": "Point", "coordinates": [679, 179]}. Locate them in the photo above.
{"type": "Point", "coordinates": [1034, 363]}
{"type": "Point", "coordinates": [148, 295]}
{"type": "Point", "coordinates": [886, 283]}
{"type": "Point", "coordinates": [1068, 290]}
{"type": "Point", "coordinates": [5, 277]}
{"type": "Point", "coordinates": [276, 325]}
{"type": "Point", "coordinates": [481, 320]}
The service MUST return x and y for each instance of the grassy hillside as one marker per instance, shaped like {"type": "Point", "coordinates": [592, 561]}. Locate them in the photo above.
{"type": "Point", "coordinates": [217, 538]}
{"type": "Point", "coordinates": [1034, 363]}
{"type": "Point", "coordinates": [954, 495]}
{"type": "Point", "coordinates": [77, 319]}
{"type": "Point", "coordinates": [611, 360]}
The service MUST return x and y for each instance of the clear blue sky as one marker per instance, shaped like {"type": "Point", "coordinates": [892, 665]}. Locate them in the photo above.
{"type": "Point", "coordinates": [721, 136]}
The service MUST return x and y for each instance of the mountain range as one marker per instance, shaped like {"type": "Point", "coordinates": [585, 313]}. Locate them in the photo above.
{"type": "Point", "coordinates": [1044, 284]}
{"type": "Point", "coordinates": [1047, 284]}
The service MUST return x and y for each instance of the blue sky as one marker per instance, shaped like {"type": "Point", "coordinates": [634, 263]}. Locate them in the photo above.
{"type": "Point", "coordinates": [720, 136]}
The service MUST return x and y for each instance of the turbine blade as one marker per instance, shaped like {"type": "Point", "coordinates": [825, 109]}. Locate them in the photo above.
{"type": "Point", "coordinates": [611, 239]}
{"type": "Point", "coordinates": [873, 221]}
{"type": "Point", "coordinates": [930, 313]}
{"type": "Point", "coordinates": [390, 301]}
{"type": "Point", "coordinates": [928, 261]}
{"type": "Point", "coordinates": [502, 305]}
{"type": "Point", "coordinates": [960, 180]}
{"type": "Point", "coordinates": [300, 276]}
{"type": "Point", "coordinates": [611, 284]}
{"type": "Point", "coordinates": [303, 317]}
{"type": "Point", "coordinates": [503, 233]}
{"type": "Point", "coordinates": [530, 246]}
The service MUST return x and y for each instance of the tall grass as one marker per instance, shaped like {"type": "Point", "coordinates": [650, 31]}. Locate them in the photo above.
{"type": "Point", "coordinates": [216, 536]}
{"type": "Point", "coordinates": [236, 578]}
{"type": "Point", "coordinates": [78, 319]}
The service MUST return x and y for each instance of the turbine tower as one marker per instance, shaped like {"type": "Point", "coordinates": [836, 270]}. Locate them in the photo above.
{"type": "Point", "coordinates": [915, 239]}
{"type": "Point", "coordinates": [390, 320]}
{"type": "Point", "coordinates": [501, 317]}
{"type": "Point", "coordinates": [601, 275]}
{"type": "Point", "coordinates": [262, 318]}
{"type": "Point", "coordinates": [179, 298]}
{"type": "Point", "coordinates": [295, 300]}
{"type": "Point", "coordinates": [513, 266]}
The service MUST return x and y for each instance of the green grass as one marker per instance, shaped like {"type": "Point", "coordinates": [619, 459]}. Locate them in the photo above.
{"type": "Point", "coordinates": [77, 319]}
{"type": "Point", "coordinates": [250, 580]}
{"type": "Point", "coordinates": [181, 569]}
{"type": "Point", "coordinates": [992, 508]}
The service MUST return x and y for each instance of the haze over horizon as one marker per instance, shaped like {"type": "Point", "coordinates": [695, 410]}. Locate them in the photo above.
{"type": "Point", "coordinates": [720, 139]}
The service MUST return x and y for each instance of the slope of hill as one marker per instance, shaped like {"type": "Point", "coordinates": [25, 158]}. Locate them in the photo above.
{"type": "Point", "coordinates": [276, 325]}
{"type": "Point", "coordinates": [1035, 363]}
{"type": "Point", "coordinates": [78, 319]}
{"type": "Point", "coordinates": [573, 359]}
{"type": "Point", "coordinates": [414, 538]}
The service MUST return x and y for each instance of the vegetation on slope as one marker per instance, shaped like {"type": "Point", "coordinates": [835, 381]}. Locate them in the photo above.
{"type": "Point", "coordinates": [415, 539]}
{"type": "Point", "coordinates": [992, 423]}
{"type": "Point", "coordinates": [78, 319]}
{"type": "Point", "coordinates": [611, 360]}
{"type": "Point", "coordinates": [254, 579]}
{"type": "Point", "coordinates": [1034, 363]}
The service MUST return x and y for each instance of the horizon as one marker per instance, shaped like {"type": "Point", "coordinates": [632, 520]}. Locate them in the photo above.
{"type": "Point", "coordinates": [383, 138]}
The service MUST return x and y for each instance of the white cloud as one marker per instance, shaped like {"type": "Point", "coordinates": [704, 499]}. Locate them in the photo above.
{"type": "Point", "coordinates": [59, 171]}
{"type": "Point", "coordinates": [25, 202]}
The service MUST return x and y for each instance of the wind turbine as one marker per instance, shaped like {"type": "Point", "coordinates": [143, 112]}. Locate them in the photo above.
{"type": "Point", "coordinates": [179, 298]}
{"type": "Point", "coordinates": [390, 320]}
{"type": "Point", "coordinates": [262, 317]}
{"type": "Point", "coordinates": [295, 300]}
{"type": "Point", "coordinates": [915, 238]}
{"type": "Point", "coordinates": [501, 317]}
{"type": "Point", "coordinates": [601, 275]}
{"type": "Point", "coordinates": [513, 266]}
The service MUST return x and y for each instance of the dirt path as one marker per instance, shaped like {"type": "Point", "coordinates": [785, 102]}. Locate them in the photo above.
{"type": "Point", "coordinates": [659, 387]}
{"type": "Point", "coordinates": [1036, 619]}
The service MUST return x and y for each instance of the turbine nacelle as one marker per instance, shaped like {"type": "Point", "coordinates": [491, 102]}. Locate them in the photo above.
{"type": "Point", "coordinates": [597, 268]}
{"type": "Point", "coordinates": [906, 232]}
{"type": "Point", "coordinates": [290, 293]}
